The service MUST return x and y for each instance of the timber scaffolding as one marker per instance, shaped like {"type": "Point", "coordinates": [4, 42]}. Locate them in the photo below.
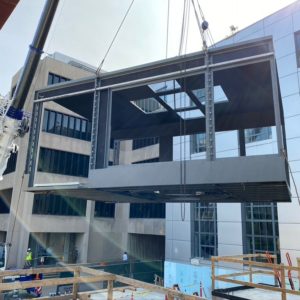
{"type": "Point", "coordinates": [280, 272]}
{"type": "Point", "coordinates": [85, 275]}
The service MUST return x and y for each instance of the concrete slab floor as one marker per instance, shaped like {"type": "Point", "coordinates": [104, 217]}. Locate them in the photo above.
{"type": "Point", "coordinates": [139, 294]}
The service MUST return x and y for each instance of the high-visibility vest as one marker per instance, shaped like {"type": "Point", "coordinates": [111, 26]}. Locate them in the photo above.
{"type": "Point", "coordinates": [28, 256]}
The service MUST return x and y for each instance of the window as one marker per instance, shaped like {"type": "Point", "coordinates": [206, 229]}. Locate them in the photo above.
{"type": "Point", "coordinates": [144, 142]}
{"type": "Point", "coordinates": [4, 206]}
{"type": "Point", "coordinates": [198, 143]}
{"type": "Point", "coordinates": [54, 78]}
{"type": "Point", "coordinates": [11, 163]}
{"type": "Point", "coordinates": [148, 210]}
{"type": "Point", "coordinates": [297, 45]}
{"type": "Point", "coordinates": [204, 230]}
{"type": "Point", "coordinates": [104, 210]}
{"type": "Point", "coordinates": [146, 161]}
{"type": "Point", "coordinates": [61, 162]}
{"type": "Point", "coordinates": [260, 223]}
{"type": "Point", "coordinates": [58, 205]}
{"type": "Point", "coordinates": [62, 124]}
{"type": "Point", "coordinates": [258, 134]}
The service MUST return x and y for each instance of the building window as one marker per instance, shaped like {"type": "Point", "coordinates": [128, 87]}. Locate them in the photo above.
{"type": "Point", "coordinates": [260, 223]}
{"type": "Point", "coordinates": [258, 134]}
{"type": "Point", "coordinates": [148, 210]}
{"type": "Point", "coordinates": [144, 142]}
{"type": "Point", "coordinates": [11, 163]}
{"type": "Point", "coordinates": [146, 161]}
{"type": "Point", "coordinates": [204, 230]}
{"type": "Point", "coordinates": [297, 45]}
{"type": "Point", "coordinates": [62, 124]}
{"type": "Point", "coordinates": [58, 205]}
{"type": "Point", "coordinates": [198, 143]}
{"type": "Point", "coordinates": [62, 162]}
{"type": "Point", "coordinates": [104, 210]}
{"type": "Point", "coordinates": [4, 206]}
{"type": "Point", "coordinates": [54, 78]}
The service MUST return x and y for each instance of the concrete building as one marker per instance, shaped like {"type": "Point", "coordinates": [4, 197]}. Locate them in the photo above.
{"type": "Point", "coordinates": [65, 228]}
{"type": "Point", "coordinates": [19, 225]}
{"type": "Point", "coordinates": [248, 227]}
{"type": "Point", "coordinates": [254, 145]}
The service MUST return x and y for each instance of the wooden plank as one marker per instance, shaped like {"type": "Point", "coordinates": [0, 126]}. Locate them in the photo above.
{"type": "Point", "coordinates": [237, 274]}
{"type": "Point", "coordinates": [75, 285]}
{"type": "Point", "coordinates": [93, 271]}
{"type": "Point", "coordinates": [282, 279]}
{"type": "Point", "coordinates": [61, 297]}
{"type": "Point", "coordinates": [110, 285]}
{"type": "Point", "coordinates": [37, 270]}
{"type": "Point", "coordinates": [155, 288]}
{"type": "Point", "coordinates": [51, 282]}
{"type": "Point", "coordinates": [256, 263]}
{"type": "Point", "coordinates": [259, 286]}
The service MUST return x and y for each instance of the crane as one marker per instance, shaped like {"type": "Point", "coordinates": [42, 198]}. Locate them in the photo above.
{"type": "Point", "coordinates": [14, 122]}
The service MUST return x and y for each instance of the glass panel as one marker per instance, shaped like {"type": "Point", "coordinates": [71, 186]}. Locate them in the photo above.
{"type": "Point", "coordinates": [64, 130]}
{"type": "Point", "coordinates": [191, 114]}
{"type": "Point", "coordinates": [178, 100]}
{"type": "Point", "coordinates": [51, 122]}
{"type": "Point", "coordinates": [71, 126]}
{"type": "Point", "coordinates": [58, 123]}
{"type": "Point", "coordinates": [77, 128]}
{"type": "Point", "coordinates": [50, 78]}
{"type": "Point", "coordinates": [258, 134]}
{"type": "Point", "coordinates": [219, 94]}
{"type": "Point", "coordinates": [164, 86]}
{"type": "Point", "coordinates": [198, 143]}
{"type": "Point", "coordinates": [45, 120]}
{"type": "Point", "coordinates": [84, 129]}
{"type": "Point", "coordinates": [56, 79]}
{"type": "Point", "coordinates": [149, 105]}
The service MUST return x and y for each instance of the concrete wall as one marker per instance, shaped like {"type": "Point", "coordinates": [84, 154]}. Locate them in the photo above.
{"type": "Point", "coordinates": [20, 221]}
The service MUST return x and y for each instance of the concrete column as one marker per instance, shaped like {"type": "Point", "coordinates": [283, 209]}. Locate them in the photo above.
{"type": "Point", "coordinates": [83, 250]}
{"type": "Point", "coordinates": [165, 148]}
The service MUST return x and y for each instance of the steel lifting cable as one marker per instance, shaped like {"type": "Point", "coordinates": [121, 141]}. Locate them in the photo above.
{"type": "Point", "coordinates": [114, 38]}
{"type": "Point", "coordinates": [208, 30]}
{"type": "Point", "coordinates": [183, 47]}
{"type": "Point", "coordinates": [167, 33]}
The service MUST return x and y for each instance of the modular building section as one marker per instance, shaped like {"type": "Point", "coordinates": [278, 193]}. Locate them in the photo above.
{"type": "Point", "coordinates": [227, 89]}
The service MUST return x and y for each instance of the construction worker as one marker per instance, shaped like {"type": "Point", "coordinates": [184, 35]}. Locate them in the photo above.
{"type": "Point", "coordinates": [28, 259]}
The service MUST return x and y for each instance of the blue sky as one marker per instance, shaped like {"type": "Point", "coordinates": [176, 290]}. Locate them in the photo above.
{"type": "Point", "coordinates": [83, 29]}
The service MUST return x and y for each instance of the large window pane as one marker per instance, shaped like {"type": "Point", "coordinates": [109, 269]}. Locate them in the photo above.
{"type": "Point", "coordinates": [62, 162]}
{"type": "Point", "coordinates": [204, 230]}
{"type": "Point", "coordinates": [58, 205]}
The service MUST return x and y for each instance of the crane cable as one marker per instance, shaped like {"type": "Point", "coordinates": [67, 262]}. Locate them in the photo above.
{"type": "Point", "coordinates": [182, 123]}
{"type": "Point", "coordinates": [114, 38]}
